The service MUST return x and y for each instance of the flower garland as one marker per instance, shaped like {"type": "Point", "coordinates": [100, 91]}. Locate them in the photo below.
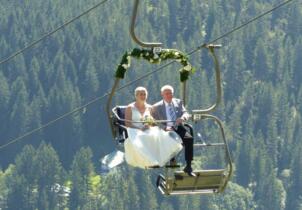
{"type": "Point", "coordinates": [155, 57]}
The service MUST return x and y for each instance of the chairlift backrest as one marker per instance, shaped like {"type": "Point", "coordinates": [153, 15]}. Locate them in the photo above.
{"type": "Point", "coordinates": [120, 111]}
{"type": "Point", "coordinates": [118, 123]}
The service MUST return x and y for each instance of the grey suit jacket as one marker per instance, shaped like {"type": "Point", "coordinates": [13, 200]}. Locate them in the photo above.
{"type": "Point", "coordinates": [158, 110]}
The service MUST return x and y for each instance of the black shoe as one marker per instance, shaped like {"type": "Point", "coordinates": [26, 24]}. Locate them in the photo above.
{"type": "Point", "coordinates": [188, 169]}
{"type": "Point", "coordinates": [173, 162]}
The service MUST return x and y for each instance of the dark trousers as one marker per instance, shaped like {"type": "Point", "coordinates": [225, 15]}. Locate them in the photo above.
{"type": "Point", "coordinates": [187, 140]}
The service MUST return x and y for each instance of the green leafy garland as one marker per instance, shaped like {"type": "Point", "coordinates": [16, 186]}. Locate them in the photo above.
{"type": "Point", "coordinates": [155, 57]}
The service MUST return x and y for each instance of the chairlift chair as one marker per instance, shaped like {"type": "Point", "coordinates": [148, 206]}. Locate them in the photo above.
{"type": "Point", "coordinates": [174, 182]}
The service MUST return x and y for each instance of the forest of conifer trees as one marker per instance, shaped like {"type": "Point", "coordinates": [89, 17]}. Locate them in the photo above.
{"type": "Point", "coordinates": [58, 167]}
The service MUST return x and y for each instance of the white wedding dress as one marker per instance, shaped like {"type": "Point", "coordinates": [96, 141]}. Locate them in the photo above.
{"type": "Point", "coordinates": [151, 147]}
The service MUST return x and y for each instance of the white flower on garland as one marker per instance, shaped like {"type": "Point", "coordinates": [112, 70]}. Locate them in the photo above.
{"type": "Point", "coordinates": [155, 56]}
{"type": "Point", "coordinates": [126, 66]}
{"type": "Point", "coordinates": [188, 68]}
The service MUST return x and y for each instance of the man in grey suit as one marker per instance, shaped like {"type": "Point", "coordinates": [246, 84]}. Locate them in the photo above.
{"type": "Point", "coordinates": [172, 109]}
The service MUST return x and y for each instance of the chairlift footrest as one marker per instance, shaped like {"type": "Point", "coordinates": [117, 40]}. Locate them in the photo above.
{"type": "Point", "coordinates": [204, 182]}
{"type": "Point", "coordinates": [155, 166]}
{"type": "Point", "coordinates": [172, 166]}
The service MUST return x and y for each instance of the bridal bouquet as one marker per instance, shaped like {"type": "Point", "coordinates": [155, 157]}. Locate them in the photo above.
{"type": "Point", "coordinates": [148, 120]}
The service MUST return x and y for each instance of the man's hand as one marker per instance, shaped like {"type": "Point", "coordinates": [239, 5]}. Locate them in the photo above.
{"type": "Point", "coordinates": [179, 121]}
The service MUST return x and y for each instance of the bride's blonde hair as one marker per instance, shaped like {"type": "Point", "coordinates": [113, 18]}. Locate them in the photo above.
{"type": "Point", "coordinates": [140, 88]}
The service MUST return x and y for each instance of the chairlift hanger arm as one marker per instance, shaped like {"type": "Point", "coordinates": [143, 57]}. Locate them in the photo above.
{"type": "Point", "coordinates": [211, 48]}
{"type": "Point", "coordinates": [109, 102]}
{"type": "Point", "coordinates": [132, 32]}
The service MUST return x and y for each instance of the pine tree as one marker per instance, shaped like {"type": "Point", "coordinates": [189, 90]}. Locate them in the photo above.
{"type": "Point", "coordinates": [4, 103]}
{"type": "Point", "coordinates": [81, 171]}
{"type": "Point", "coordinates": [49, 177]}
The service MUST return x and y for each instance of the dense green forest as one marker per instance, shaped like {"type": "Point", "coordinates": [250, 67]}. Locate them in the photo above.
{"type": "Point", "coordinates": [58, 167]}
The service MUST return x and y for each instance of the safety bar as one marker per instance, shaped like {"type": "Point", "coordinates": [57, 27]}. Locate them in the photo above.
{"type": "Point", "coordinates": [209, 144]}
{"type": "Point", "coordinates": [139, 121]}
{"type": "Point", "coordinates": [198, 117]}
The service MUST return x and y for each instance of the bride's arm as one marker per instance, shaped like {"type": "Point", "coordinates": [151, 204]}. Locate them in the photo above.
{"type": "Point", "coordinates": [128, 116]}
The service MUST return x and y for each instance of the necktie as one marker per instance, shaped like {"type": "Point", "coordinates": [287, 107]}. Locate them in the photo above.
{"type": "Point", "coordinates": [172, 112]}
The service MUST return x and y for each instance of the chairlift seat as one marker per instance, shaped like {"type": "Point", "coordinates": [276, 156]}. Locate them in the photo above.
{"type": "Point", "coordinates": [119, 124]}
{"type": "Point", "coordinates": [204, 182]}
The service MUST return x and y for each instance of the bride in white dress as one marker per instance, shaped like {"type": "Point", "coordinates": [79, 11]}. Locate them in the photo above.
{"type": "Point", "coordinates": [147, 145]}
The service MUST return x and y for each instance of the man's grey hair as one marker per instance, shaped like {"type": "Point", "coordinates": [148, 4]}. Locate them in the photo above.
{"type": "Point", "coordinates": [167, 87]}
